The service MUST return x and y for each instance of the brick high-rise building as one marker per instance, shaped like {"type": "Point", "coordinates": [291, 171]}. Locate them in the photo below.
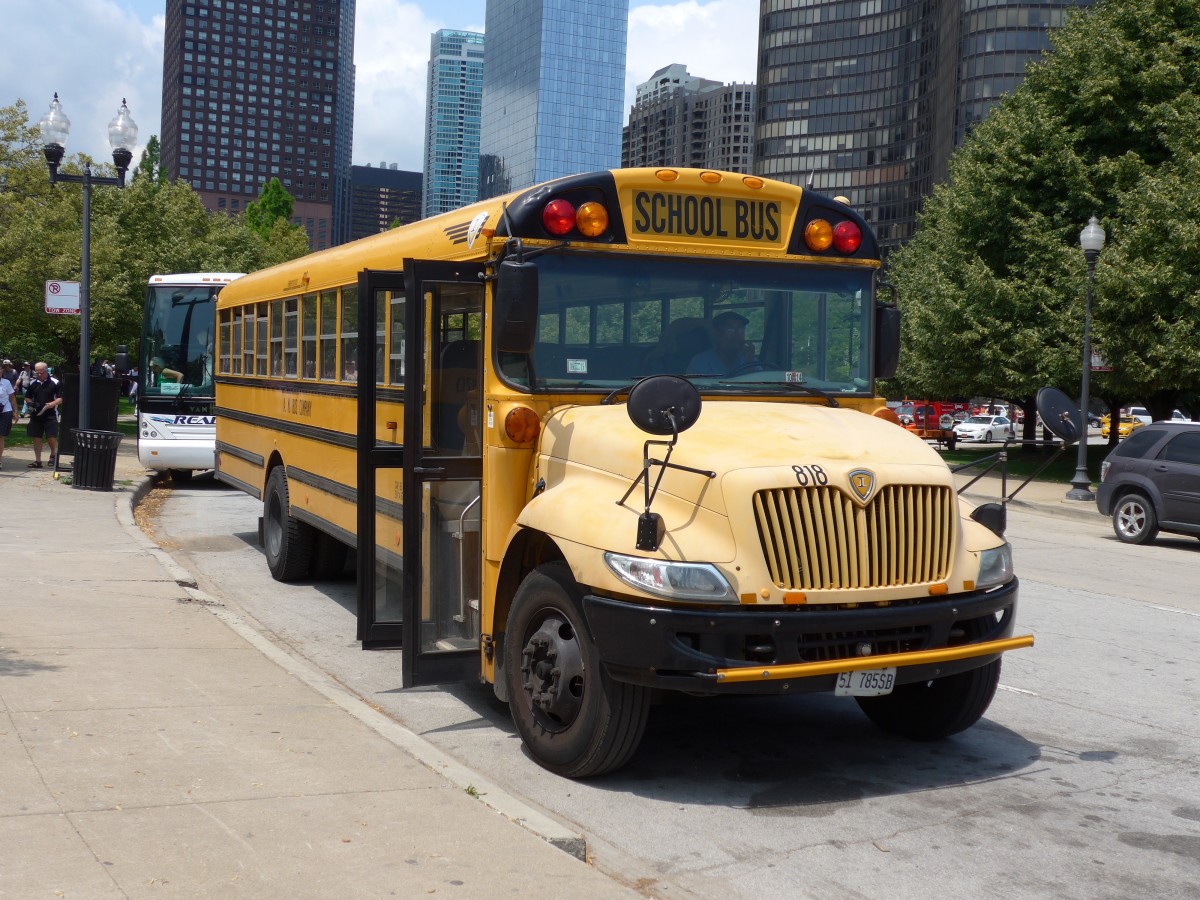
{"type": "Point", "coordinates": [257, 89]}
{"type": "Point", "coordinates": [681, 120]}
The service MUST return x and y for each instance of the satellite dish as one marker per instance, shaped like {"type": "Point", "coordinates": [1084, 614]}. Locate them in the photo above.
{"type": "Point", "coordinates": [657, 400]}
{"type": "Point", "coordinates": [1060, 414]}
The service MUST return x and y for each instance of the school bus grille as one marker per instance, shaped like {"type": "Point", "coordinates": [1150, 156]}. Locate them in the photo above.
{"type": "Point", "coordinates": [817, 537]}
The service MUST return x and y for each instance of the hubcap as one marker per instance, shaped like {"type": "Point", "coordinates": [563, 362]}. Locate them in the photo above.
{"type": "Point", "coordinates": [1132, 519]}
{"type": "Point", "coordinates": [552, 666]}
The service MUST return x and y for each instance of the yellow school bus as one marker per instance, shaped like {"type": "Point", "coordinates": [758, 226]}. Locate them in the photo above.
{"type": "Point", "coordinates": [612, 435]}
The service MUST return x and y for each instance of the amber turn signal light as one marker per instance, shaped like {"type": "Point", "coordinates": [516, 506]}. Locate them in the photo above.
{"type": "Point", "coordinates": [522, 425]}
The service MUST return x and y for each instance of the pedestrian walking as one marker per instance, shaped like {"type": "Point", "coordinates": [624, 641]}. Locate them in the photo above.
{"type": "Point", "coordinates": [8, 372]}
{"type": "Point", "coordinates": [23, 381]}
{"type": "Point", "coordinates": [8, 409]}
{"type": "Point", "coordinates": [44, 396]}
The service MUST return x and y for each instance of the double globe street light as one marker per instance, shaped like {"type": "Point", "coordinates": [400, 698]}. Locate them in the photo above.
{"type": "Point", "coordinates": [1091, 239]}
{"type": "Point", "coordinates": [122, 135]}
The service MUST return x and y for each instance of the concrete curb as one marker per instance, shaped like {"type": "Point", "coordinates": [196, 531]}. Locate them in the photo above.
{"type": "Point", "coordinates": [492, 795]}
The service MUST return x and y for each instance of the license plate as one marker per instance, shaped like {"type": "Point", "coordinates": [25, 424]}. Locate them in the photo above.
{"type": "Point", "coordinates": [865, 683]}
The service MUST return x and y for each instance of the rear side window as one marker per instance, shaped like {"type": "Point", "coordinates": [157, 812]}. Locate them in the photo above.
{"type": "Point", "coordinates": [1184, 448]}
{"type": "Point", "coordinates": [1139, 442]}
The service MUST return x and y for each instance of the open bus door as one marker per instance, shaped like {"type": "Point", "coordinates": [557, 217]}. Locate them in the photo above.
{"type": "Point", "coordinates": [420, 470]}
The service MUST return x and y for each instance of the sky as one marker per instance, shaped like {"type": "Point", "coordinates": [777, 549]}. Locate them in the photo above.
{"type": "Point", "coordinates": [95, 53]}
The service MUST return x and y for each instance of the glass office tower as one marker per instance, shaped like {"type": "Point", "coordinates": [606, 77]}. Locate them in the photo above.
{"type": "Point", "coordinates": [869, 100]}
{"type": "Point", "coordinates": [553, 90]}
{"type": "Point", "coordinates": [452, 117]}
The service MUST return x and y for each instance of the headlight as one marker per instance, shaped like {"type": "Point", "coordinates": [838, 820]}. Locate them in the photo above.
{"type": "Point", "coordinates": [995, 567]}
{"type": "Point", "coordinates": [695, 582]}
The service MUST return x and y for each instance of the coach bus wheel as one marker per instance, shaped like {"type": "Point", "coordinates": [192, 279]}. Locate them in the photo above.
{"type": "Point", "coordinates": [575, 720]}
{"type": "Point", "coordinates": [180, 476]}
{"type": "Point", "coordinates": [931, 710]}
{"type": "Point", "coordinates": [288, 540]}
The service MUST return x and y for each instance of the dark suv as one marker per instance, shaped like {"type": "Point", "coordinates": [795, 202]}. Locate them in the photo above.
{"type": "Point", "coordinates": [1151, 482]}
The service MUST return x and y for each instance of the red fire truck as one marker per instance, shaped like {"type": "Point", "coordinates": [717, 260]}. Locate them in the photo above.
{"type": "Point", "coordinates": [933, 420]}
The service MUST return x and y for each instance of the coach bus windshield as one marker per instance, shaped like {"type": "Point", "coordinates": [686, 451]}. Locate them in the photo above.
{"type": "Point", "coordinates": [607, 320]}
{"type": "Point", "coordinates": [177, 344]}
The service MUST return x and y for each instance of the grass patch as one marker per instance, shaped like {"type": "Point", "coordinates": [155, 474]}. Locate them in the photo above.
{"type": "Point", "coordinates": [1023, 462]}
{"type": "Point", "coordinates": [19, 436]}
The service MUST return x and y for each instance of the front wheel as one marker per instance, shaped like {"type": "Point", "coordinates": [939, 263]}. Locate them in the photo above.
{"type": "Point", "coordinates": [575, 720]}
{"type": "Point", "coordinates": [1133, 519]}
{"type": "Point", "coordinates": [287, 540]}
{"type": "Point", "coordinates": [931, 710]}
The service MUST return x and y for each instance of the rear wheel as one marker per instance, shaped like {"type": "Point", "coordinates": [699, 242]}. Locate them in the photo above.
{"type": "Point", "coordinates": [181, 476]}
{"type": "Point", "coordinates": [931, 710]}
{"type": "Point", "coordinates": [328, 557]}
{"type": "Point", "coordinates": [1133, 519]}
{"type": "Point", "coordinates": [288, 541]}
{"type": "Point", "coordinates": [575, 720]}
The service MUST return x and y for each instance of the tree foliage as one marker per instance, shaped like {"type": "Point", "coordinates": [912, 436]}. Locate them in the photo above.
{"type": "Point", "coordinates": [274, 204]}
{"type": "Point", "coordinates": [993, 283]}
{"type": "Point", "coordinates": [152, 226]}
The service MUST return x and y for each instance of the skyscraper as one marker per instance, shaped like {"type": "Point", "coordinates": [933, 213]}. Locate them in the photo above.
{"type": "Point", "coordinates": [382, 198]}
{"type": "Point", "coordinates": [553, 90]}
{"type": "Point", "coordinates": [452, 115]}
{"type": "Point", "coordinates": [869, 100]}
{"type": "Point", "coordinates": [262, 89]}
{"type": "Point", "coordinates": [681, 120]}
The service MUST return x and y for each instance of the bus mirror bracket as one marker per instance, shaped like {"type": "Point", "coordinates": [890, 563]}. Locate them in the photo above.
{"type": "Point", "coordinates": [887, 336]}
{"type": "Point", "coordinates": [660, 404]}
{"type": "Point", "coordinates": [516, 305]}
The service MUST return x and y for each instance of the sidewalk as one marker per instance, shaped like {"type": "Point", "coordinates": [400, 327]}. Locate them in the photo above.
{"type": "Point", "coordinates": [154, 745]}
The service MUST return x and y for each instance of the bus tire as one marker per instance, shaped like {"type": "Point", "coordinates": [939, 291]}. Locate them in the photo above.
{"type": "Point", "coordinates": [573, 718]}
{"type": "Point", "coordinates": [328, 557]}
{"type": "Point", "coordinates": [288, 541]}
{"type": "Point", "coordinates": [181, 476]}
{"type": "Point", "coordinates": [932, 710]}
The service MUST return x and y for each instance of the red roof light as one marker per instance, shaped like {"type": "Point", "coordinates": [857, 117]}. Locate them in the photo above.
{"type": "Point", "coordinates": [847, 237]}
{"type": "Point", "coordinates": [558, 216]}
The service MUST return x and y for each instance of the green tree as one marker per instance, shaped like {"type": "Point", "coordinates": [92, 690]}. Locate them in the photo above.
{"type": "Point", "coordinates": [150, 166]}
{"type": "Point", "coordinates": [150, 227]}
{"type": "Point", "coordinates": [274, 203]}
{"type": "Point", "coordinates": [992, 285]}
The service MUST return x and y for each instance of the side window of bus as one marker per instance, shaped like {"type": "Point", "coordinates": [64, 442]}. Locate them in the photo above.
{"type": "Point", "coordinates": [248, 342]}
{"type": "Point", "coordinates": [396, 343]}
{"type": "Point", "coordinates": [308, 335]}
{"type": "Point", "coordinates": [276, 307]}
{"type": "Point", "coordinates": [260, 339]}
{"type": "Point", "coordinates": [234, 353]}
{"type": "Point", "coordinates": [350, 333]}
{"type": "Point", "coordinates": [291, 336]}
{"type": "Point", "coordinates": [328, 335]}
{"type": "Point", "coordinates": [381, 311]}
{"type": "Point", "coordinates": [224, 335]}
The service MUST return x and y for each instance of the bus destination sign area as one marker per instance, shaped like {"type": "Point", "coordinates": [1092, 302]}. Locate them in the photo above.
{"type": "Point", "coordinates": [669, 214]}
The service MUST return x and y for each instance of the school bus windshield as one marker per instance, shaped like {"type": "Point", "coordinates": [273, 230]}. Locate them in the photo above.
{"type": "Point", "coordinates": [742, 327]}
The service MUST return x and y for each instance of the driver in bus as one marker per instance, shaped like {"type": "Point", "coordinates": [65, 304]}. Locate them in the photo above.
{"type": "Point", "coordinates": [730, 351]}
{"type": "Point", "coordinates": [162, 373]}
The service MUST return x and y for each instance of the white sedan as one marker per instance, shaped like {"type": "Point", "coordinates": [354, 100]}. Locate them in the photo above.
{"type": "Point", "coordinates": [985, 429]}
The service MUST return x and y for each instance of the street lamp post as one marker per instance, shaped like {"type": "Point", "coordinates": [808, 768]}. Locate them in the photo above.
{"type": "Point", "coordinates": [1091, 239]}
{"type": "Point", "coordinates": [122, 135]}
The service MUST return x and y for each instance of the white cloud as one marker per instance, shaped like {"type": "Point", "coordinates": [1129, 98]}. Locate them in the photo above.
{"type": "Point", "coordinates": [93, 53]}
{"type": "Point", "coordinates": [717, 40]}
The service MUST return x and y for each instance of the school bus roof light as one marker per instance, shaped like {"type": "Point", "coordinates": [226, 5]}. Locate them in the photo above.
{"type": "Point", "coordinates": [847, 237]}
{"type": "Point", "coordinates": [522, 425]}
{"type": "Point", "coordinates": [591, 219]}
{"type": "Point", "coordinates": [818, 234]}
{"type": "Point", "coordinates": [558, 216]}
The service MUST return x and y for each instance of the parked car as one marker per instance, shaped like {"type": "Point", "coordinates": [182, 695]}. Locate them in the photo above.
{"type": "Point", "coordinates": [1140, 413]}
{"type": "Point", "coordinates": [1151, 482]}
{"type": "Point", "coordinates": [1124, 428]}
{"type": "Point", "coordinates": [985, 428]}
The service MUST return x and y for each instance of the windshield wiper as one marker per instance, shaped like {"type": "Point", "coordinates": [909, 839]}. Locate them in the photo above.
{"type": "Point", "coordinates": [791, 386]}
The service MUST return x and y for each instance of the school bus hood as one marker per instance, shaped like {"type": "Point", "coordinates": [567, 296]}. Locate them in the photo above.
{"type": "Point", "coordinates": [739, 441]}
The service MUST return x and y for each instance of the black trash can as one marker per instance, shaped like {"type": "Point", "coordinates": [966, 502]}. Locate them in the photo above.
{"type": "Point", "coordinates": [95, 459]}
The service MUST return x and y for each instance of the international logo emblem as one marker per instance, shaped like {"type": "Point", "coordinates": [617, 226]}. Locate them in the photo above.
{"type": "Point", "coordinates": [862, 484]}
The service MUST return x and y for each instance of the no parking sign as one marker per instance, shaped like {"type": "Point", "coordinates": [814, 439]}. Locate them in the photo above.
{"type": "Point", "coordinates": [62, 298]}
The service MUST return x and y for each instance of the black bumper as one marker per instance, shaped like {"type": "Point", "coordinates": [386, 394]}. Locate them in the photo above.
{"type": "Point", "coordinates": [682, 649]}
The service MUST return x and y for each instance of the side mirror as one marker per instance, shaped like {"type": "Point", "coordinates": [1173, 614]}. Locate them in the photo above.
{"type": "Point", "coordinates": [887, 341]}
{"type": "Point", "coordinates": [516, 306]}
{"type": "Point", "coordinates": [121, 360]}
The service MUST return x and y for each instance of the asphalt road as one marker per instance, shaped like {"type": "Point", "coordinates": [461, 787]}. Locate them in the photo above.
{"type": "Point", "coordinates": [1082, 781]}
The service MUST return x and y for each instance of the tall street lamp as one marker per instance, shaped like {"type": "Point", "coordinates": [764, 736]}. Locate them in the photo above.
{"type": "Point", "coordinates": [122, 135]}
{"type": "Point", "coordinates": [1091, 239]}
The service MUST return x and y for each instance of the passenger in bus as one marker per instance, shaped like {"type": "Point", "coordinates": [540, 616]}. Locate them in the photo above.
{"type": "Point", "coordinates": [162, 373]}
{"type": "Point", "coordinates": [730, 351]}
